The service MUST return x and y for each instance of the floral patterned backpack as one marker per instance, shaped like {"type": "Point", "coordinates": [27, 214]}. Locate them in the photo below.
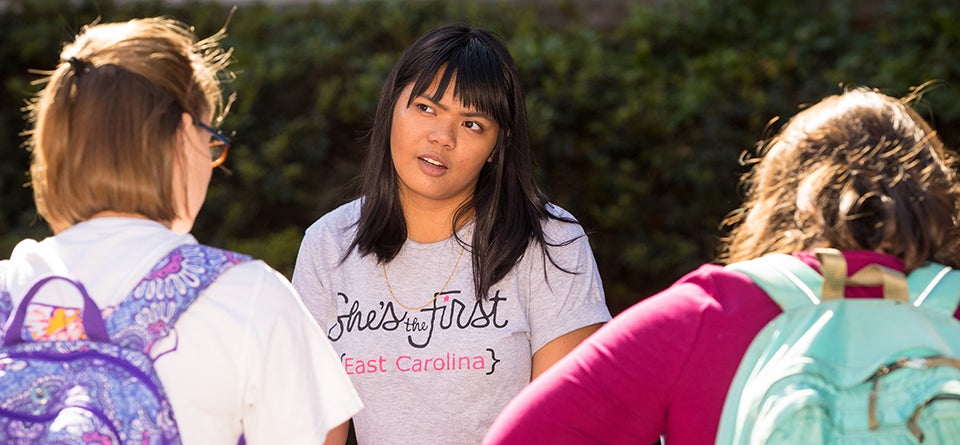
{"type": "Point", "coordinates": [93, 381]}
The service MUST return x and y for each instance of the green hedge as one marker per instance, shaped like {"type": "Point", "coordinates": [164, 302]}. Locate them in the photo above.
{"type": "Point", "coordinates": [638, 124]}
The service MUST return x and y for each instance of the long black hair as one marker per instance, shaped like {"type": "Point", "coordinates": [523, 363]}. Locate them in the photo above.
{"type": "Point", "coordinates": [507, 204]}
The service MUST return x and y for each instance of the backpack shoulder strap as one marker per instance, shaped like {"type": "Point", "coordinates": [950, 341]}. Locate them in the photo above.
{"type": "Point", "coordinates": [780, 276]}
{"type": "Point", "coordinates": [936, 287]}
{"type": "Point", "coordinates": [157, 301]}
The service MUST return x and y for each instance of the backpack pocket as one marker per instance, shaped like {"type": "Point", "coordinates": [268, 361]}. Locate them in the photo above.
{"type": "Point", "coordinates": [81, 392]}
{"type": "Point", "coordinates": [900, 404]}
{"type": "Point", "coordinates": [920, 394]}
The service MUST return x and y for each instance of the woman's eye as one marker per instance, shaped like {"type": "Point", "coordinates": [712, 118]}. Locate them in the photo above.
{"type": "Point", "coordinates": [473, 125]}
{"type": "Point", "coordinates": [425, 108]}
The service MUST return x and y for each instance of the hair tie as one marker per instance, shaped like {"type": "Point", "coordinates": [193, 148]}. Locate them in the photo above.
{"type": "Point", "coordinates": [79, 66]}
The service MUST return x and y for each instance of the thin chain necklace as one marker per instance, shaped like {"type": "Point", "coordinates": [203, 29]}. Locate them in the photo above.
{"type": "Point", "coordinates": [435, 295]}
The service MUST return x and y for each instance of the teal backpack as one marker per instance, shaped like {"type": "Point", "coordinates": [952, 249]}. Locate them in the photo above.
{"type": "Point", "coordinates": [830, 370]}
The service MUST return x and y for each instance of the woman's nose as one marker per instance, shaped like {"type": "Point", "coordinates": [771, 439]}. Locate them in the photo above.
{"type": "Point", "coordinates": [443, 133]}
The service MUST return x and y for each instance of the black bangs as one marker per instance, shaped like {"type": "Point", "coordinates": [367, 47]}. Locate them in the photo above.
{"type": "Point", "coordinates": [481, 78]}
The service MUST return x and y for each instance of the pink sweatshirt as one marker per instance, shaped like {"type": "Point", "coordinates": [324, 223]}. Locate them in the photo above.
{"type": "Point", "coordinates": [660, 368]}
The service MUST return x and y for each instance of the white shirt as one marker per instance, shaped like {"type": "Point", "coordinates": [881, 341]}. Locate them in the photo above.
{"type": "Point", "coordinates": [249, 359]}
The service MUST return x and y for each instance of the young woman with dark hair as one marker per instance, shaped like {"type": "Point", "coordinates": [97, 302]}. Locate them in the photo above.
{"type": "Point", "coordinates": [451, 281]}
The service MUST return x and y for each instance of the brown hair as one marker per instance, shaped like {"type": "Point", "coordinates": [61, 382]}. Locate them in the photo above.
{"type": "Point", "coordinates": [859, 170]}
{"type": "Point", "coordinates": [105, 127]}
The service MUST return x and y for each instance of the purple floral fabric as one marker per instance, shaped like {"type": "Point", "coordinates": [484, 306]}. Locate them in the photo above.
{"type": "Point", "coordinates": [89, 392]}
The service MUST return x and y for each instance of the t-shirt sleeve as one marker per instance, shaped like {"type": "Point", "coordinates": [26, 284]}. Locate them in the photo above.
{"type": "Point", "coordinates": [560, 301]}
{"type": "Point", "coordinates": [301, 390]}
{"type": "Point", "coordinates": [306, 278]}
{"type": "Point", "coordinates": [613, 388]}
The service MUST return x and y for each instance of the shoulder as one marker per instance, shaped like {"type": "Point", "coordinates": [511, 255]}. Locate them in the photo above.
{"type": "Point", "coordinates": [256, 275]}
{"type": "Point", "coordinates": [558, 211]}
{"type": "Point", "coordinates": [28, 260]}
{"type": "Point", "coordinates": [714, 288]}
{"type": "Point", "coordinates": [24, 248]}
{"type": "Point", "coordinates": [333, 232]}
{"type": "Point", "coordinates": [702, 306]}
{"type": "Point", "coordinates": [237, 277]}
{"type": "Point", "coordinates": [709, 294]}
{"type": "Point", "coordinates": [561, 226]}
{"type": "Point", "coordinates": [560, 214]}
{"type": "Point", "coordinates": [259, 288]}
{"type": "Point", "coordinates": [31, 251]}
{"type": "Point", "coordinates": [338, 224]}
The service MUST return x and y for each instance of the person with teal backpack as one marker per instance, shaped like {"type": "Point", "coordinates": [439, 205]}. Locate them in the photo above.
{"type": "Point", "coordinates": [853, 371]}
{"type": "Point", "coordinates": [121, 328]}
{"type": "Point", "coordinates": [831, 316]}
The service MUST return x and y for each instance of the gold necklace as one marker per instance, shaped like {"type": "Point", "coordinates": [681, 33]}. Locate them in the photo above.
{"type": "Point", "coordinates": [435, 295]}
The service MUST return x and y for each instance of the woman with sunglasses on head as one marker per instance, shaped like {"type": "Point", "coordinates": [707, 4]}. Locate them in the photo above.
{"type": "Point", "coordinates": [451, 281]}
{"type": "Point", "coordinates": [123, 146]}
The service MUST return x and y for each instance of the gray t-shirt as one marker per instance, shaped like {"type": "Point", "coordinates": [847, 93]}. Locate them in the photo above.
{"type": "Point", "coordinates": [441, 370]}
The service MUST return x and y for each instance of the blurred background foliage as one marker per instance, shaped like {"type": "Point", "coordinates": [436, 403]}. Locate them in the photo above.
{"type": "Point", "coordinates": [640, 111]}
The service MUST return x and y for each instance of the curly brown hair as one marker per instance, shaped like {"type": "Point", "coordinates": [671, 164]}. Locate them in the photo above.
{"type": "Point", "coordinates": [857, 171]}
